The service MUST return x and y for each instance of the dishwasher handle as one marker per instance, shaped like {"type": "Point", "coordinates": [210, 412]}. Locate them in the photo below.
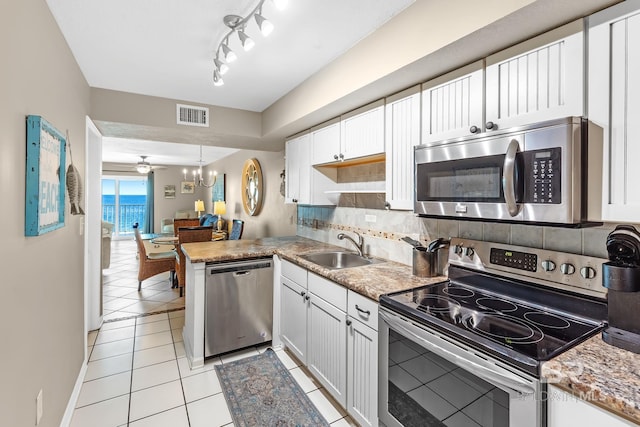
{"type": "Point", "coordinates": [242, 273]}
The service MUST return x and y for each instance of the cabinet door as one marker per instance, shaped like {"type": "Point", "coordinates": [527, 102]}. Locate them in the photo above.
{"type": "Point", "coordinates": [293, 318]}
{"type": "Point", "coordinates": [565, 409]}
{"type": "Point", "coordinates": [362, 371]}
{"type": "Point", "coordinates": [402, 117]}
{"type": "Point", "coordinates": [326, 143]}
{"type": "Point", "coordinates": [327, 355]}
{"type": "Point", "coordinates": [362, 132]}
{"type": "Point", "coordinates": [614, 105]}
{"type": "Point", "coordinates": [453, 104]}
{"type": "Point", "coordinates": [298, 173]}
{"type": "Point", "coordinates": [540, 79]}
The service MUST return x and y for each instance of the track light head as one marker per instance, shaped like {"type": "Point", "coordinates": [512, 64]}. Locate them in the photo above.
{"type": "Point", "coordinates": [217, 78]}
{"type": "Point", "coordinates": [221, 66]}
{"type": "Point", "coordinates": [229, 55]}
{"type": "Point", "coordinates": [265, 26]}
{"type": "Point", "coordinates": [246, 41]}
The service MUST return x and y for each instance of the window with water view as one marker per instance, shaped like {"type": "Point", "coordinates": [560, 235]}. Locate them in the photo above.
{"type": "Point", "coordinates": [124, 202]}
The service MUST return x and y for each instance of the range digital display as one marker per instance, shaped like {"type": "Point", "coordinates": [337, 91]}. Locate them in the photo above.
{"type": "Point", "coordinates": [514, 259]}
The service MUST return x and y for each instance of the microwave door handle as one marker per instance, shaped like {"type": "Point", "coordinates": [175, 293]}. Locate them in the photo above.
{"type": "Point", "coordinates": [509, 176]}
{"type": "Point", "coordinates": [514, 384]}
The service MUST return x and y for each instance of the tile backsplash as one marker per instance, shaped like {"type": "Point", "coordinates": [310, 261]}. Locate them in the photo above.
{"type": "Point", "coordinates": [382, 230]}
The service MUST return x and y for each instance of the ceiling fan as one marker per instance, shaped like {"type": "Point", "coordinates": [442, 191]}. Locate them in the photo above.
{"type": "Point", "coordinates": [143, 167]}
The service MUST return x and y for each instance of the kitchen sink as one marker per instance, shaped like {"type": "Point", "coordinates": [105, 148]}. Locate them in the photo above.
{"type": "Point", "coordinates": [338, 260]}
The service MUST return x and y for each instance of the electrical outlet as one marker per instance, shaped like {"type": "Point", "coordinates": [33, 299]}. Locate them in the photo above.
{"type": "Point", "coordinates": [370, 218]}
{"type": "Point", "coordinates": [39, 407]}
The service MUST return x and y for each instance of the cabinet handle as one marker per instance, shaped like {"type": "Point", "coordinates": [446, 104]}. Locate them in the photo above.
{"type": "Point", "coordinates": [348, 322]}
{"type": "Point", "coordinates": [341, 157]}
{"type": "Point", "coordinates": [294, 200]}
{"type": "Point", "coordinates": [335, 157]}
{"type": "Point", "coordinates": [302, 293]}
{"type": "Point", "coordinates": [307, 297]}
{"type": "Point", "coordinates": [491, 126]}
{"type": "Point", "coordinates": [367, 312]}
{"type": "Point", "coordinates": [387, 205]}
{"type": "Point", "coordinates": [474, 129]}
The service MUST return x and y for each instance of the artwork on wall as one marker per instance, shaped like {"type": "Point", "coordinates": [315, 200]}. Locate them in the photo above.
{"type": "Point", "coordinates": [217, 191]}
{"type": "Point", "coordinates": [252, 187]}
{"type": "Point", "coordinates": [187, 187]}
{"type": "Point", "coordinates": [169, 191]}
{"type": "Point", "coordinates": [45, 177]}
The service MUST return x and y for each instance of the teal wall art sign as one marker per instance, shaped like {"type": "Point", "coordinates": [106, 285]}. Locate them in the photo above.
{"type": "Point", "coordinates": [45, 170]}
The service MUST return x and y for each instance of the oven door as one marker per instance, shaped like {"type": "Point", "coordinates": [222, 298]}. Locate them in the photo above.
{"type": "Point", "coordinates": [480, 178]}
{"type": "Point", "coordinates": [428, 379]}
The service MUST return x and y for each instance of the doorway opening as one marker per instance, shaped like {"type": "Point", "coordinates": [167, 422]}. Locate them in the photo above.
{"type": "Point", "coordinates": [124, 203]}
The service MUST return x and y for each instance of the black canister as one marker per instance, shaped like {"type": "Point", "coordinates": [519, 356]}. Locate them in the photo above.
{"type": "Point", "coordinates": [621, 276]}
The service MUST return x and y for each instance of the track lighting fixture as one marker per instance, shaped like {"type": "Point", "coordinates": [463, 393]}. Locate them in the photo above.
{"type": "Point", "coordinates": [224, 54]}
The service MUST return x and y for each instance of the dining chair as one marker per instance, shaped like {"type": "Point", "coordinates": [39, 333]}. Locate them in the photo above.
{"type": "Point", "coordinates": [155, 263]}
{"type": "Point", "coordinates": [184, 222]}
{"type": "Point", "coordinates": [188, 235]}
{"type": "Point", "coordinates": [236, 229]}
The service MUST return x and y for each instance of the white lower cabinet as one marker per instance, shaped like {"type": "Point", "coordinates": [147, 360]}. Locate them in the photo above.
{"type": "Point", "coordinates": [293, 317]}
{"type": "Point", "coordinates": [327, 342]}
{"type": "Point", "coordinates": [362, 359]}
{"type": "Point", "coordinates": [333, 332]}
{"type": "Point", "coordinates": [565, 409]}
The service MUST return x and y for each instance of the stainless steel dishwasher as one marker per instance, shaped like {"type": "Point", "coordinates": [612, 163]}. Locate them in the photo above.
{"type": "Point", "coordinates": [239, 305]}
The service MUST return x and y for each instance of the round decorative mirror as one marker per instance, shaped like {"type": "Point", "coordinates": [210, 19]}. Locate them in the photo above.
{"type": "Point", "coordinates": [252, 187]}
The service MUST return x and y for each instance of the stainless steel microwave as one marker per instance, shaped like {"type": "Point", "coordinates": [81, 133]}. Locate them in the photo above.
{"type": "Point", "coordinates": [547, 173]}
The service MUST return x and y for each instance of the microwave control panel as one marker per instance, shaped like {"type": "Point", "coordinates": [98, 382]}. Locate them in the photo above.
{"type": "Point", "coordinates": [542, 176]}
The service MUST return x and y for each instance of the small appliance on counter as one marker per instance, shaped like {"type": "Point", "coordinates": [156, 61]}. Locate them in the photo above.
{"type": "Point", "coordinates": [621, 276]}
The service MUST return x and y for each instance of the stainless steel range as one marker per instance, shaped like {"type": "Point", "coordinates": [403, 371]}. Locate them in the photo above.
{"type": "Point", "coordinates": [467, 351]}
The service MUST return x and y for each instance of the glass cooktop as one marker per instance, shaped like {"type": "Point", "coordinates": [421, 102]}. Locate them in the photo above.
{"type": "Point", "coordinates": [514, 328]}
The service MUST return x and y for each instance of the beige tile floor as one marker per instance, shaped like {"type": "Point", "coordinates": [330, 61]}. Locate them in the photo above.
{"type": "Point", "coordinates": [138, 375]}
{"type": "Point", "coordinates": [120, 296]}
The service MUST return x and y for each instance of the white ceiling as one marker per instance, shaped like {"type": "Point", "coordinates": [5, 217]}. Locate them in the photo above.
{"type": "Point", "coordinates": [122, 150]}
{"type": "Point", "coordinates": [166, 49]}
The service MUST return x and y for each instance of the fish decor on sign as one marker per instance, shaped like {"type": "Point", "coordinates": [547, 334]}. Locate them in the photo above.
{"type": "Point", "coordinates": [74, 184]}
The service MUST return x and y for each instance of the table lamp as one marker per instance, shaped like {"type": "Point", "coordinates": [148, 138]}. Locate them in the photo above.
{"type": "Point", "coordinates": [199, 207]}
{"type": "Point", "coordinates": [219, 208]}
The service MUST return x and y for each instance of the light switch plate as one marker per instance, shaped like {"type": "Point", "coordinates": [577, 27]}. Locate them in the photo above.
{"type": "Point", "coordinates": [370, 218]}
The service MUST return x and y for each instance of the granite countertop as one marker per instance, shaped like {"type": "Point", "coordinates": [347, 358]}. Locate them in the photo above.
{"type": "Point", "coordinates": [370, 280]}
{"type": "Point", "coordinates": [601, 374]}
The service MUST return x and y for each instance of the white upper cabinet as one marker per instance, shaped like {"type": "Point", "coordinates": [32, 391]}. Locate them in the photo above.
{"type": "Point", "coordinates": [298, 170]}
{"type": "Point", "coordinates": [326, 142]}
{"type": "Point", "coordinates": [614, 105]}
{"type": "Point", "coordinates": [362, 132]}
{"type": "Point", "coordinates": [537, 80]}
{"type": "Point", "coordinates": [453, 104]}
{"type": "Point", "coordinates": [402, 129]}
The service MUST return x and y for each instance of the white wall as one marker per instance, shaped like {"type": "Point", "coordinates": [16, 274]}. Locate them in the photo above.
{"type": "Point", "coordinates": [41, 321]}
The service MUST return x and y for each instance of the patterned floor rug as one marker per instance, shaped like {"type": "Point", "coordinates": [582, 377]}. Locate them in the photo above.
{"type": "Point", "coordinates": [260, 391]}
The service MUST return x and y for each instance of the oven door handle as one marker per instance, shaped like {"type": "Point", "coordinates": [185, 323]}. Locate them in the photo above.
{"type": "Point", "coordinates": [509, 177]}
{"type": "Point", "coordinates": [502, 380]}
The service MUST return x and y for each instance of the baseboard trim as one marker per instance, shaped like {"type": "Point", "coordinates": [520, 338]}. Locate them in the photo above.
{"type": "Point", "coordinates": [73, 399]}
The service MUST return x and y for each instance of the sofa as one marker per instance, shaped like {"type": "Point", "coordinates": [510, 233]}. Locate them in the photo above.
{"type": "Point", "coordinates": [166, 224]}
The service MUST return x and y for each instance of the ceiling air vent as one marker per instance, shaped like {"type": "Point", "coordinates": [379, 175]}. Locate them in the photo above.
{"type": "Point", "coordinates": [191, 115]}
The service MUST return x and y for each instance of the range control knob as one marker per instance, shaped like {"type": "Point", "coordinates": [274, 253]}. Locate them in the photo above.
{"type": "Point", "coordinates": [548, 265]}
{"type": "Point", "coordinates": [469, 252]}
{"type": "Point", "coordinates": [457, 249]}
{"type": "Point", "coordinates": [588, 272]}
{"type": "Point", "coordinates": [567, 268]}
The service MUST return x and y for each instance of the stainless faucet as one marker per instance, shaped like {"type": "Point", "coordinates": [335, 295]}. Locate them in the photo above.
{"type": "Point", "coordinates": [359, 245]}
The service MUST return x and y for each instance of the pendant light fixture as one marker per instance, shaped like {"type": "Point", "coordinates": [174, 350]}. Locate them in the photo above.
{"type": "Point", "coordinates": [224, 54]}
{"type": "Point", "coordinates": [198, 179]}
